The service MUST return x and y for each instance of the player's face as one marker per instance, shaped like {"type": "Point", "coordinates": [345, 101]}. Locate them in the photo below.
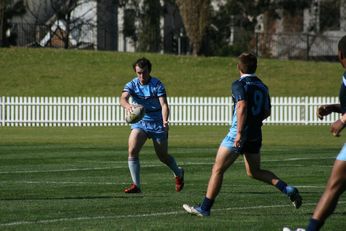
{"type": "Point", "coordinates": [142, 74]}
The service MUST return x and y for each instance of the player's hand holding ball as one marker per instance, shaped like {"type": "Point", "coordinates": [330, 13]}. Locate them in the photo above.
{"type": "Point", "coordinates": [134, 114]}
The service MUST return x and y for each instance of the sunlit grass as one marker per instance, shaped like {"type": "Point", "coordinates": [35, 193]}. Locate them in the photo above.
{"type": "Point", "coordinates": [58, 72]}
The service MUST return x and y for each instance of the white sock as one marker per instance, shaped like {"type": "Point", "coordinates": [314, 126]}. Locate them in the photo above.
{"type": "Point", "coordinates": [134, 168]}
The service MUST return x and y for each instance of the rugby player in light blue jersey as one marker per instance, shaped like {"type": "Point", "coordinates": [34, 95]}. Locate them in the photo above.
{"type": "Point", "coordinates": [251, 107]}
{"type": "Point", "coordinates": [336, 184]}
{"type": "Point", "coordinates": [149, 92]}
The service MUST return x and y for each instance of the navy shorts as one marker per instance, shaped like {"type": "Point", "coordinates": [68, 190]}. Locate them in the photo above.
{"type": "Point", "coordinates": [253, 146]}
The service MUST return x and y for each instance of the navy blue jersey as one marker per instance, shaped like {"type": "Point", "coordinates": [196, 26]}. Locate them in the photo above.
{"type": "Point", "coordinates": [251, 89]}
{"type": "Point", "coordinates": [342, 94]}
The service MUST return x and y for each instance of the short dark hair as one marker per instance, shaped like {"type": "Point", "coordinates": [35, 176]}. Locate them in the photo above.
{"type": "Point", "coordinates": [342, 45]}
{"type": "Point", "coordinates": [142, 63]}
{"type": "Point", "coordinates": [247, 63]}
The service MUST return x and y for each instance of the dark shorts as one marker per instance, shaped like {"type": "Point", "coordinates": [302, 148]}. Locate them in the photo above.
{"type": "Point", "coordinates": [252, 146]}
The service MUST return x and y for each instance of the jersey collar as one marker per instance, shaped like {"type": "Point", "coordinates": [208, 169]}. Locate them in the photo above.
{"type": "Point", "coordinates": [248, 75]}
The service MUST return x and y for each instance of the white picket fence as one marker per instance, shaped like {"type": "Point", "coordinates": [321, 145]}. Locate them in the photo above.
{"type": "Point", "coordinates": [106, 111]}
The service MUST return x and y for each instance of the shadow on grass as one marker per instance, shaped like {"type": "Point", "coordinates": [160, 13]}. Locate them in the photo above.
{"type": "Point", "coordinates": [74, 198]}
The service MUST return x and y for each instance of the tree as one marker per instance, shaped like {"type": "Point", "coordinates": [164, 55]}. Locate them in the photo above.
{"type": "Point", "coordinates": [231, 28]}
{"type": "Point", "coordinates": [149, 38]}
{"type": "Point", "coordinates": [63, 10]}
{"type": "Point", "coordinates": [62, 17]}
{"type": "Point", "coordinates": [2, 14]}
{"type": "Point", "coordinates": [9, 9]}
{"type": "Point", "coordinates": [195, 15]}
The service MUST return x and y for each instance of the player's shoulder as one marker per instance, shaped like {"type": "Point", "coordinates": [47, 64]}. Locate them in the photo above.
{"type": "Point", "coordinates": [261, 82]}
{"type": "Point", "coordinates": [133, 82]}
{"type": "Point", "coordinates": [155, 81]}
{"type": "Point", "coordinates": [238, 83]}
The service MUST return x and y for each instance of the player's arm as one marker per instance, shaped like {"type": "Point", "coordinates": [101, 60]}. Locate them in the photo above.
{"type": "Point", "coordinates": [124, 101]}
{"type": "Point", "coordinates": [267, 107]}
{"type": "Point", "coordinates": [164, 110]}
{"type": "Point", "coordinates": [325, 110]}
{"type": "Point", "coordinates": [338, 125]}
{"type": "Point", "coordinates": [241, 108]}
{"type": "Point", "coordinates": [267, 113]}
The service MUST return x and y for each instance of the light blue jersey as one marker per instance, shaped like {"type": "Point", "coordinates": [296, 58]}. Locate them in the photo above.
{"type": "Point", "coordinates": [148, 96]}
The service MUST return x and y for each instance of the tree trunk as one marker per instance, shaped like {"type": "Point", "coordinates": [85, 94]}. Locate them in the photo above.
{"type": "Point", "coordinates": [343, 15]}
{"type": "Point", "coordinates": [195, 15]}
{"type": "Point", "coordinates": [66, 36]}
{"type": "Point", "coordinates": [2, 15]}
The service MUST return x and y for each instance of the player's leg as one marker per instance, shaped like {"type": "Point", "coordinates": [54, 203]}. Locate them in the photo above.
{"type": "Point", "coordinates": [224, 159]}
{"type": "Point", "coordinates": [136, 141]}
{"type": "Point", "coordinates": [335, 187]}
{"type": "Point", "coordinates": [253, 169]}
{"type": "Point", "coordinates": [161, 149]}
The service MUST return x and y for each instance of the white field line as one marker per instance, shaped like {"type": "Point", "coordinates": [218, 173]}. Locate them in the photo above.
{"type": "Point", "coordinates": [65, 182]}
{"type": "Point", "coordinates": [119, 183]}
{"type": "Point", "coordinates": [143, 165]}
{"type": "Point", "coordinates": [68, 219]}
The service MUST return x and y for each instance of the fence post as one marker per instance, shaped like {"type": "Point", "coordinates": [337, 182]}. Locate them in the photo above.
{"type": "Point", "coordinates": [306, 110]}
{"type": "Point", "coordinates": [3, 115]}
{"type": "Point", "coordinates": [80, 111]}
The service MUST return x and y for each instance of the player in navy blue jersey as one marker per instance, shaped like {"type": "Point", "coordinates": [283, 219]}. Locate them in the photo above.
{"type": "Point", "coordinates": [251, 106]}
{"type": "Point", "coordinates": [336, 184]}
{"type": "Point", "coordinates": [151, 93]}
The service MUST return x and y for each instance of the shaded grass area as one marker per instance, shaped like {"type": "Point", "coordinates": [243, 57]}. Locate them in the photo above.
{"type": "Point", "coordinates": [72, 179]}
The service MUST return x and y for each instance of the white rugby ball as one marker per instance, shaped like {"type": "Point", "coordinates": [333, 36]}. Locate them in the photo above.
{"type": "Point", "coordinates": [136, 114]}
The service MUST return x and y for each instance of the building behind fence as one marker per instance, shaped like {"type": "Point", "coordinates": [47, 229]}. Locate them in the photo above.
{"type": "Point", "coordinates": [279, 45]}
{"type": "Point", "coordinates": [106, 111]}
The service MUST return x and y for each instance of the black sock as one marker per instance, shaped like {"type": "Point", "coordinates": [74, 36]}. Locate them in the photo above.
{"type": "Point", "coordinates": [314, 225]}
{"type": "Point", "coordinates": [281, 186]}
{"type": "Point", "coordinates": [207, 204]}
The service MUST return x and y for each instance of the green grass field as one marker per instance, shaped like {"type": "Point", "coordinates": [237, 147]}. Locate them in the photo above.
{"type": "Point", "coordinates": [72, 179]}
{"type": "Point", "coordinates": [57, 72]}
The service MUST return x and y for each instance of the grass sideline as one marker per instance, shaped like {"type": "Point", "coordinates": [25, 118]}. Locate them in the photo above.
{"type": "Point", "coordinates": [72, 179]}
{"type": "Point", "coordinates": [58, 72]}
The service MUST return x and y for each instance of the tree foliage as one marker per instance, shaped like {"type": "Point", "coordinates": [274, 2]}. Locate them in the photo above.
{"type": "Point", "coordinates": [61, 12]}
{"type": "Point", "coordinates": [232, 28]}
{"type": "Point", "coordinates": [2, 13]}
{"type": "Point", "coordinates": [9, 9]}
{"type": "Point", "coordinates": [149, 38]}
{"type": "Point", "coordinates": [195, 15]}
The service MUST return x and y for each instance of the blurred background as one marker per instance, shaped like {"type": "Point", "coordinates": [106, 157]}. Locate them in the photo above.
{"type": "Point", "coordinates": [285, 29]}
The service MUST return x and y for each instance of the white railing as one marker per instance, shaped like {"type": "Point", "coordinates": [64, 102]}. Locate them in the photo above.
{"type": "Point", "coordinates": [106, 111]}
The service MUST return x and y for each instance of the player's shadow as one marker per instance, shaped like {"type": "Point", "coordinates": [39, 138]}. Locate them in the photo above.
{"type": "Point", "coordinates": [72, 198]}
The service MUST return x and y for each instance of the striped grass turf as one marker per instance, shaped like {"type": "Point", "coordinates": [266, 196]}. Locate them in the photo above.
{"type": "Point", "coordinates": [72, 179]}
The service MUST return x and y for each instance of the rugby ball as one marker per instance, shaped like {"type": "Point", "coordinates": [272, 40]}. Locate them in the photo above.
{"type": "Point", "coordinates": [136, 114]}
